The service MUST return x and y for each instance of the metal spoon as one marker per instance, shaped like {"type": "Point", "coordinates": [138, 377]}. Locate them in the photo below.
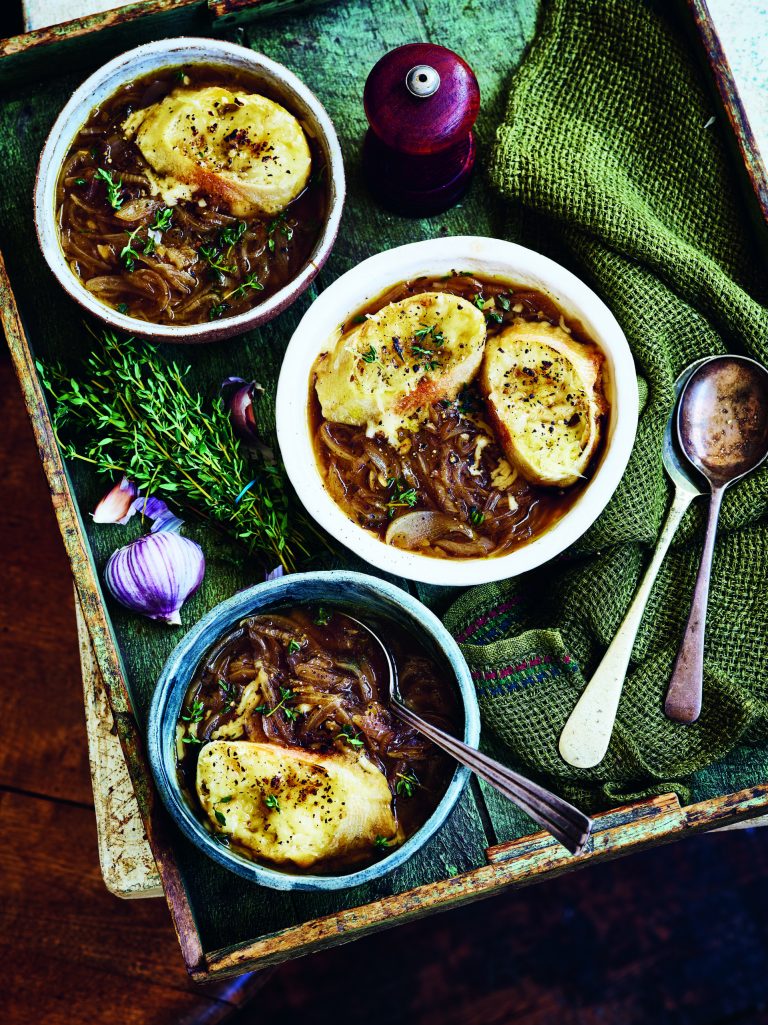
{"type": "Point", "coordinates": [587, 733]}
{"type": "Point", "coordinates": [722, 427]}
{"type": "Point", "coordinates": [565, 822]}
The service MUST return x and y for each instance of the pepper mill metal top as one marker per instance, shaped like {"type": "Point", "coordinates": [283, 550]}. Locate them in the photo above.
{"type": "Point", "coordinates": [423, 81]}
{"type": "Point", "coordinates": [421, 101]}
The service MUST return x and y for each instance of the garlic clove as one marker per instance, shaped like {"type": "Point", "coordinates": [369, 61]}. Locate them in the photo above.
{"type": "Point", "coordinates": [116, 505]}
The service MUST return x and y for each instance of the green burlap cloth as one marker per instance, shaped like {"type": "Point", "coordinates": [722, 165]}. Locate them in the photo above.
{"type": "Point", "coordinates": [609, 150]}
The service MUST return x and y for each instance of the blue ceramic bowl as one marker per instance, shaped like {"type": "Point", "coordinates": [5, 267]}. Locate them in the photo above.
{"type": "Point", "coordinates": [360, 595]}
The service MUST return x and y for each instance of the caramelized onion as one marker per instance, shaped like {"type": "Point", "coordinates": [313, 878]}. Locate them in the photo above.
{"type": "Point", "coordinates": [424, 527]}
{"type": "Point", "coordinates": [184, 286]}
{"type": "Point", "coordinates": [137, 209]}
{"type": "Point", "coordinates": [443, 488]}
{"type": "Point", "coordinates": [297, 679]}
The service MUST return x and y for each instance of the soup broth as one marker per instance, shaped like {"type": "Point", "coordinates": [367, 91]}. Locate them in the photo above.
{"type": "Point", "coordinates": [189, 261]}
{"type": "Point", "coordinates": [453, 464]}
{"type": "Point", "coordinates": [310, 679]}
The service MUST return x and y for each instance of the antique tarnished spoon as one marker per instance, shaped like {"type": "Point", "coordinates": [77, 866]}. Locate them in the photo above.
{"type": "Point", "coordinates": [566, 823]}
{"type": "Point", "coordinates": [722, 428]}
{"type": "Point", "coordinates": [587, 733]}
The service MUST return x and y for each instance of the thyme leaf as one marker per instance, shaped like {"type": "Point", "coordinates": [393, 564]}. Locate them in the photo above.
{"type": "Point", "coordinates": [402, 495]}
{"type": "Point", "coordinates": [162, 220]}
{"type": "Point", "coordinates": [407, 782]}
{"type": "Point", "coordinates": [348, 734]}
{"type": "Point", "coordinates": [114, 188]}
{"type": "Point", "coordinates": [128, 254]}
{"type": "Point", "coordinates": [252, 281]}
{"type": "Point", "coordinates": [213, 256]}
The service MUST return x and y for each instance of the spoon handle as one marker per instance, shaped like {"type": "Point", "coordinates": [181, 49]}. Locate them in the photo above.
{"type": "Point", "coordinates": [565, 822]}
{"type": "Point", "coordinates": [683, 702]}
{"type": "Point", "coordinates": [587, 733]}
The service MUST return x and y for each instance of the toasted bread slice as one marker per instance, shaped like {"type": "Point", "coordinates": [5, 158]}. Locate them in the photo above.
{"type": "Point", "coordinates": [265, 797]}
{"type": "Point", "coordinates": [408, 355]}
{"type": "Point", "coordinates": [544, 394]}
{"type": "Point", "coordinates": [242, 148]}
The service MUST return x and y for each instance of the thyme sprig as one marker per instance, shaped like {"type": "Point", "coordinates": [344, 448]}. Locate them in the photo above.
{"type": "Point", "coordinates": [132, 412]}
{"type": "Point", "coordinates": [162, 221]}
{"type": "Point", "coordinates": [407, 783]}
{"type": "Point", "coordinates": [252, 281]}
{"type": "Point", "coordinates": [279, 224]}
{"type": "Point", "coordinates": [114, 188]}
{"type": "Point", "coordinates": [215, 259]}
{"type": "Point", "coordinates": [195, 713]}
{"type": "Point", "coordinates": [128, 254]}
{"type": "Point", "coordinates": [347, 734]}
{"type": "Point", "coordinates": [402, 495]}
{"type": "Point", "coordinates": [229, 237]}
{"type": "Point", "coordinates": [286, 694]}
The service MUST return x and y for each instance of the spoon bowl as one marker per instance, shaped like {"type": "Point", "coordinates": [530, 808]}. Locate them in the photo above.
{"type": "Point", "coordinates": [565, 822]}
{"type": "Point", "coordinates": [722, 430]}
{"type": "Point", "coordinates": [722, 419]}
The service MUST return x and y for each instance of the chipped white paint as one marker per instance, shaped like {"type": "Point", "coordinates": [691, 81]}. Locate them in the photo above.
{"type": "Point", "coordinates": [126, 860]}
{"type": "Point", "coordinates": [42, 13]}
{"type": "Point", "coordinates": [742, 26]}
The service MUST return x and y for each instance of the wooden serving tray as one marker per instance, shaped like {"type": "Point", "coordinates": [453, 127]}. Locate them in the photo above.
{"type": "Point", "coordinates": [226, 925]}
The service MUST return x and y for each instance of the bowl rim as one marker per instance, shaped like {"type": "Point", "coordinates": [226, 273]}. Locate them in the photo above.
{"type": "Point", "coordinates": [370, 278]}
{"type": "Point", "coordinates": [170, 52]}
{"type": "Point", "coordinates": [174, 680]}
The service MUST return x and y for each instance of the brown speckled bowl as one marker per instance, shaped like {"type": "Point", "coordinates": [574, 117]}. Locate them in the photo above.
{"type": "Point", "coordinates": [131, 65]}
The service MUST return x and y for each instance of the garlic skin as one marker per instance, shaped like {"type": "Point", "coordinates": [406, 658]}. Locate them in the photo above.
{"type": "Point", "coordinates": [239, 403]}
{"type": "Point", "coordinates": [155, 574]}
{"type": "Point", "coordinates": [116, 505]}
{"type": "Point", "coordinates": [241, 412]}
{"type": "Point", "coordinates": [124, 500]}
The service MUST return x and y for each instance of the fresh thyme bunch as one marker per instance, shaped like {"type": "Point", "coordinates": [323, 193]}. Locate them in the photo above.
{"type": "Point", "coordinates": [132, 413]}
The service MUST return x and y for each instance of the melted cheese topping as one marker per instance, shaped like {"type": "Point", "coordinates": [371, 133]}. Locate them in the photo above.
{"type": "Point", "coordinates": [543, 391]}
{"type": "Point", "coordinates": [402, 359]}
{"type": "Point", "coordinates": [241, 148]}
{"type": "Point", "coordinates": [288, 805]}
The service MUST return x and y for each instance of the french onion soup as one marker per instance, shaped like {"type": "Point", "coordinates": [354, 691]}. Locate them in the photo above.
{"type": "Point", "coordinates": [458, 417]}
{"type": "Point", "coordinates": [288, 750]}
{"type": "Point", "coordinates": [189, 196]}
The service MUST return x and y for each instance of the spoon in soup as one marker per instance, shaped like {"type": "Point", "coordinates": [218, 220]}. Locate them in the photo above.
{"type": "Point", "coordinates": [722, 429]}
{"type": "Point", "coordinates": [566, 823]}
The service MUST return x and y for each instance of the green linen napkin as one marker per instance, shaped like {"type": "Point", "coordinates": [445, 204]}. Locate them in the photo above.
{"type": "Point", "coordinates": [609, 149]}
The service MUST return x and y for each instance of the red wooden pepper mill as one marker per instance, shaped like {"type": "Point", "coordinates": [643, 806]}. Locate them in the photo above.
{"type": "Point", "coordinates": [421, 101]}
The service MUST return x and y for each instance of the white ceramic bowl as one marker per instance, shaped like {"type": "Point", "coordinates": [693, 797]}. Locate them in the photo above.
{"type": "Point", "coordinates": [492, 258]}
{"type": "Point", "coordinates": [134, 64]}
